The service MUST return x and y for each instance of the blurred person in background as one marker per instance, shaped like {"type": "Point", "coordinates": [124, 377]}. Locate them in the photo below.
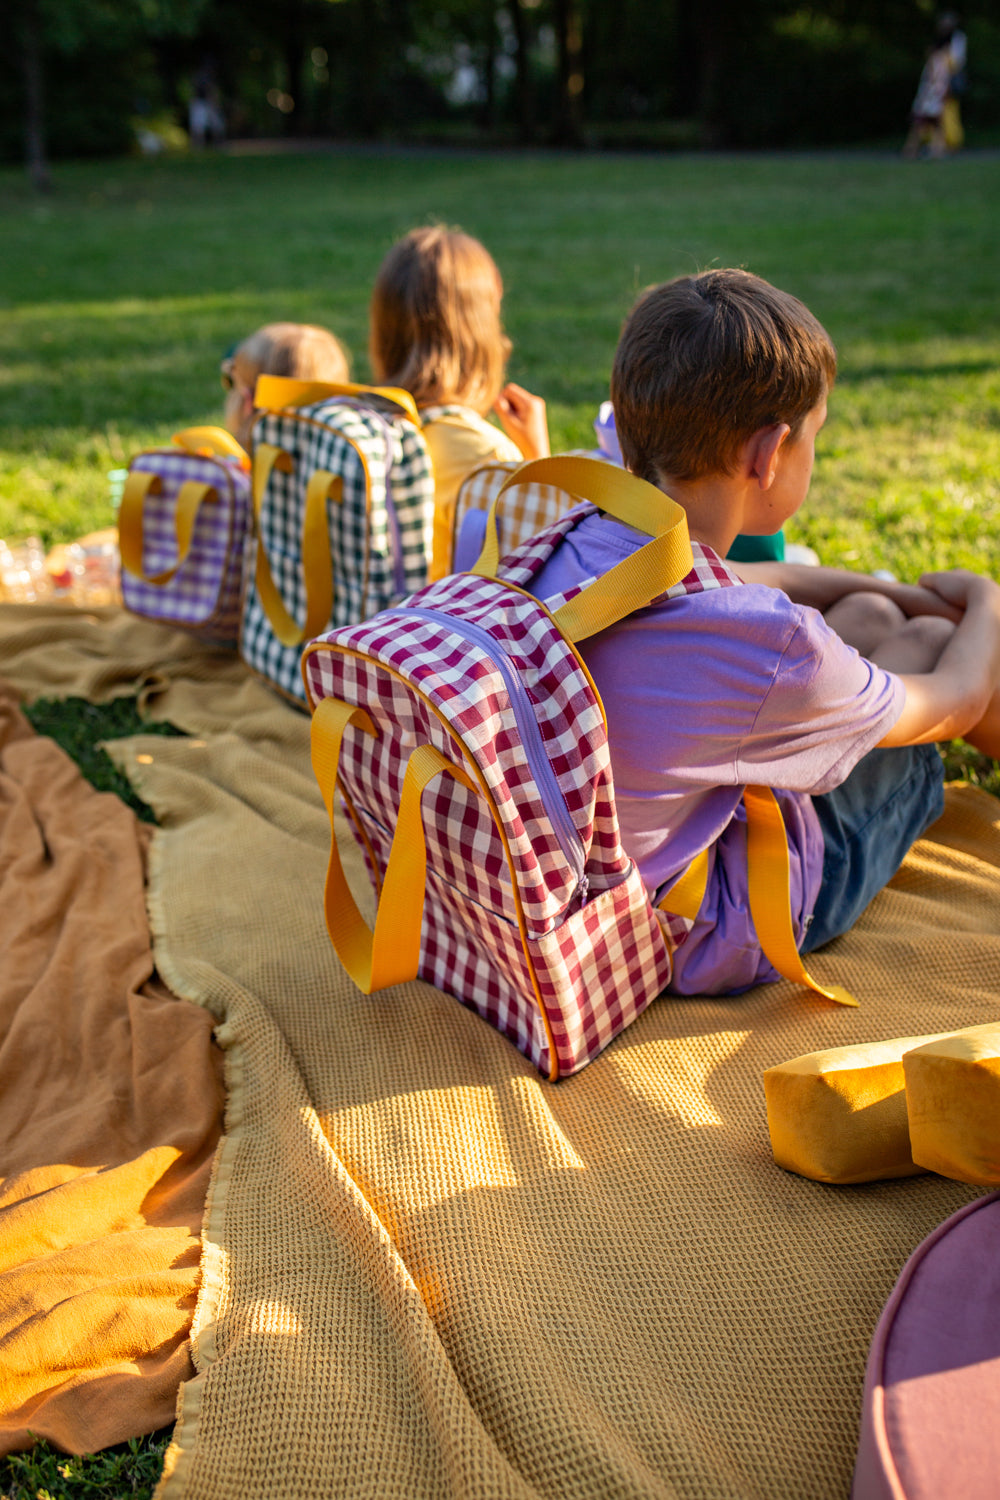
{"type": "Point", "coordinates": [206, 123]}
{"type": "Point", "coordinates": [951, 24]}
{"type": "Point", "coordinates": [935, 105]}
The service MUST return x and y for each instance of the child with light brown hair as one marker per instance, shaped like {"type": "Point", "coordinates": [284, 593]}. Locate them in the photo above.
{"type": "Point", "coordinates": [299, 350]}
{"type": "Point", "coordinates": [436, 331]}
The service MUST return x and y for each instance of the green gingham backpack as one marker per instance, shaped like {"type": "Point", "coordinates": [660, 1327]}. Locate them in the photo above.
{"type": "Point", "coordinates": [343, 501]}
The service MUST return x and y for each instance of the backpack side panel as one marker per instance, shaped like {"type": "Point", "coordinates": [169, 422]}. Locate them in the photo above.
{"type": "Point", "coordinates": [411, 484]}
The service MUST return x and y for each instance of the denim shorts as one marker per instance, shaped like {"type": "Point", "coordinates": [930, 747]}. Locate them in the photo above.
{"type": "Point", "coordinates": [869, 822]}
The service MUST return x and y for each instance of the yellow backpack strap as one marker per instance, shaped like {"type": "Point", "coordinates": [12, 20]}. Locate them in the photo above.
{"type": "Point", "coordinates": [768, 880]}
{"type": "Point", "coordinates": [317, 564]}
{"type": "Point", "coordinates": [212, 442]}
{"type": "Point", "coordinates": [390, 954]}
{"type": "Point", "coordinates": [770, 899]}
{"type": "Point", "coordinates": [138, 485]}
{"type": "Point", "coordinates": [631, 584]}
{"type": "Point", "coordinates": [279, 392]}
{"type": "Point", "coordinates": [685, 896]}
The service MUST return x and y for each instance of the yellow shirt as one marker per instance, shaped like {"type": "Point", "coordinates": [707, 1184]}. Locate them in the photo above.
{"type": "Point", "coordinates": [458, 440]}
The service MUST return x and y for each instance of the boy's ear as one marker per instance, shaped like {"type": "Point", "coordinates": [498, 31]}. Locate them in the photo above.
{"type": "Point", "coordinates": [762, 453]}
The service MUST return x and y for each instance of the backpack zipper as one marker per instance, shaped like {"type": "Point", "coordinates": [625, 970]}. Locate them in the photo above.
{"type": "Point", "coordinates": [539, 764]}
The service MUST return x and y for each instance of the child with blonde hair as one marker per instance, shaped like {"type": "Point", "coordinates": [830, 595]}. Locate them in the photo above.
{"type": "Point", "coordinates": [436, 331]}
{"type": "Point", "coordinates": [299, 350]}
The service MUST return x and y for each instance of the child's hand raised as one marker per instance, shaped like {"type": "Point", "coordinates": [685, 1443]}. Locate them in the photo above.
{"type": "Point", "coordinates": [522, 417]}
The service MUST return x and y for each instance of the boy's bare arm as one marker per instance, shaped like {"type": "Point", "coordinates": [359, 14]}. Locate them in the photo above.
{"type": "Point", "coordinates": [823, 587]}
{"type": "Point", "coordinates": [953, 699]}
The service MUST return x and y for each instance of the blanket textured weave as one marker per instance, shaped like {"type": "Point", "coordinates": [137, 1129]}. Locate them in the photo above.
{"type": "Point", "coordinates": [428, 1273]}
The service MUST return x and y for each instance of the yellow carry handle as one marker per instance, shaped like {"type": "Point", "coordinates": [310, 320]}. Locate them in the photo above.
{"type": "Point", "coordinates": [631, 584]}
{"type": "Point", "coordinates": [390, 954]}
{"type": "Point", "coordinates": [317, 564]}
{"type": "Point", "coordinates": [769, 888]}
{"type": "Point", "coordinates": [212, 442]}
{"type": "Point", "coordinates": [138, 485]}
{"type": "Point", "coordinates": [279, 392]}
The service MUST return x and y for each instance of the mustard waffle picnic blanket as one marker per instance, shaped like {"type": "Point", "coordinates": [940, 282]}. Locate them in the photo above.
{"type": "Point", "coordinates": [425, 1271]}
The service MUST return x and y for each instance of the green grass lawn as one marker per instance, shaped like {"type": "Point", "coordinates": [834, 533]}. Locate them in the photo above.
{"type": "Point", "coordinates": [121, 292]}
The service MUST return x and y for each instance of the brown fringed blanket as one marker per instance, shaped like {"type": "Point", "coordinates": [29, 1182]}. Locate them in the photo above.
{"type": "Point", "coordinates": [110, 1109]}
{"type": "Point", "coordinates": [426, 1271]}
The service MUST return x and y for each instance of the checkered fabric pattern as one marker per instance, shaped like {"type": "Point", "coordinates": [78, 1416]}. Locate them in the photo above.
{"type": "Point", "coordinates": [204, 594]}
{"type": "Point", "coordinates": [380, 531]}
{"type": "Point", "coordinates": [709, 572]}
{"type": "Point", "coordinates": [524, 510]}
{"type": "Point", "coordinates": [551, 924]}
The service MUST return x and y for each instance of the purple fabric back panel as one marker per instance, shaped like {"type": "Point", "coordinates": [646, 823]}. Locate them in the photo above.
{"type": "Point", "coordinates": [931, 1422]}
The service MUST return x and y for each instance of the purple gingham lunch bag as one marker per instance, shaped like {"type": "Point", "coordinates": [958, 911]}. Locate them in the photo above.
{"type": "Point", "coordinates": [183, 529]}
{"type": "Point", "coordinates": [468, 744]}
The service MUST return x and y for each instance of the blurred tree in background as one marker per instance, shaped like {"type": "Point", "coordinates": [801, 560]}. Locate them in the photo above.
{"type": "Point", "coordinates": [93, 76]}
{"type": "Point", "coordinates": [79, 71]}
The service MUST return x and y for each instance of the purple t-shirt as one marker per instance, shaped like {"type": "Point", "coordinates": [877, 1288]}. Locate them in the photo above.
{"type": "Point", "coordinates": [705, 694]}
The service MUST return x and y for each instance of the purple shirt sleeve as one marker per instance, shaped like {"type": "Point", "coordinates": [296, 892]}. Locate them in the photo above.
{"type": "Point", "coordinates": [827, 707]}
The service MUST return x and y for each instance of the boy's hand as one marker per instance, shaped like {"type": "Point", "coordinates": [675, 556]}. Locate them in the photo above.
{"type": "Point", "coordinates": [522, 417]}
{"type": "Point", "coordinates": [921, 599]}
{"type": "Point", "coordinates": [959, 588]}
{"type": "Point", "coordinates": [959, 695]}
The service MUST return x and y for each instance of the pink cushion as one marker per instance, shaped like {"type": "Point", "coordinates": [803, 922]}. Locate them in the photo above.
{"type": "Point", "coordinates": [930, 1428]}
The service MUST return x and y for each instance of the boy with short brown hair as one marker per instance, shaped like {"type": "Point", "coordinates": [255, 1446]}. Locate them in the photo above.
{"type": "Point", "coordinates": [704, 361]}
{"type": "Point", "coordinates": [719, 389]}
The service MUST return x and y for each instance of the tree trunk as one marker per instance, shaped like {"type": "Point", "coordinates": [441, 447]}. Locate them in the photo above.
{"type": "Point", "coordinates": [488, 117]}
{"type": "Point", "coordinates": [367, 29]}
{"type": "Point", "coordinates": [34, 99]}
{"type": "Point", "coordinates": [711, 48]}
{"type": "Point", "coordinates": [294, 59]}
{"type": "Point", "coordinates": [569, 105]}
{"type": "Point", "coordinates": [524, 82]}
{"type": "Point", "coordinates": [725, 36]}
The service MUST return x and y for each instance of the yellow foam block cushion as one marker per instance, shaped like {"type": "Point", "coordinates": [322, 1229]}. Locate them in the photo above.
{"type": "Point", "coordinates": [840, 1115]}
{"type": "Point", "coordinates": [953, 1103]}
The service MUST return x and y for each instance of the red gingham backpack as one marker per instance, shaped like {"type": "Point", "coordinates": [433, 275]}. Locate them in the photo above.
{"type": "Point", "coordinates": [467, 740]}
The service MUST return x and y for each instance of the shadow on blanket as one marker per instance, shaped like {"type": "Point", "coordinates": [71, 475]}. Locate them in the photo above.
{"type": "Point", "coordinates": [426, 1272]}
